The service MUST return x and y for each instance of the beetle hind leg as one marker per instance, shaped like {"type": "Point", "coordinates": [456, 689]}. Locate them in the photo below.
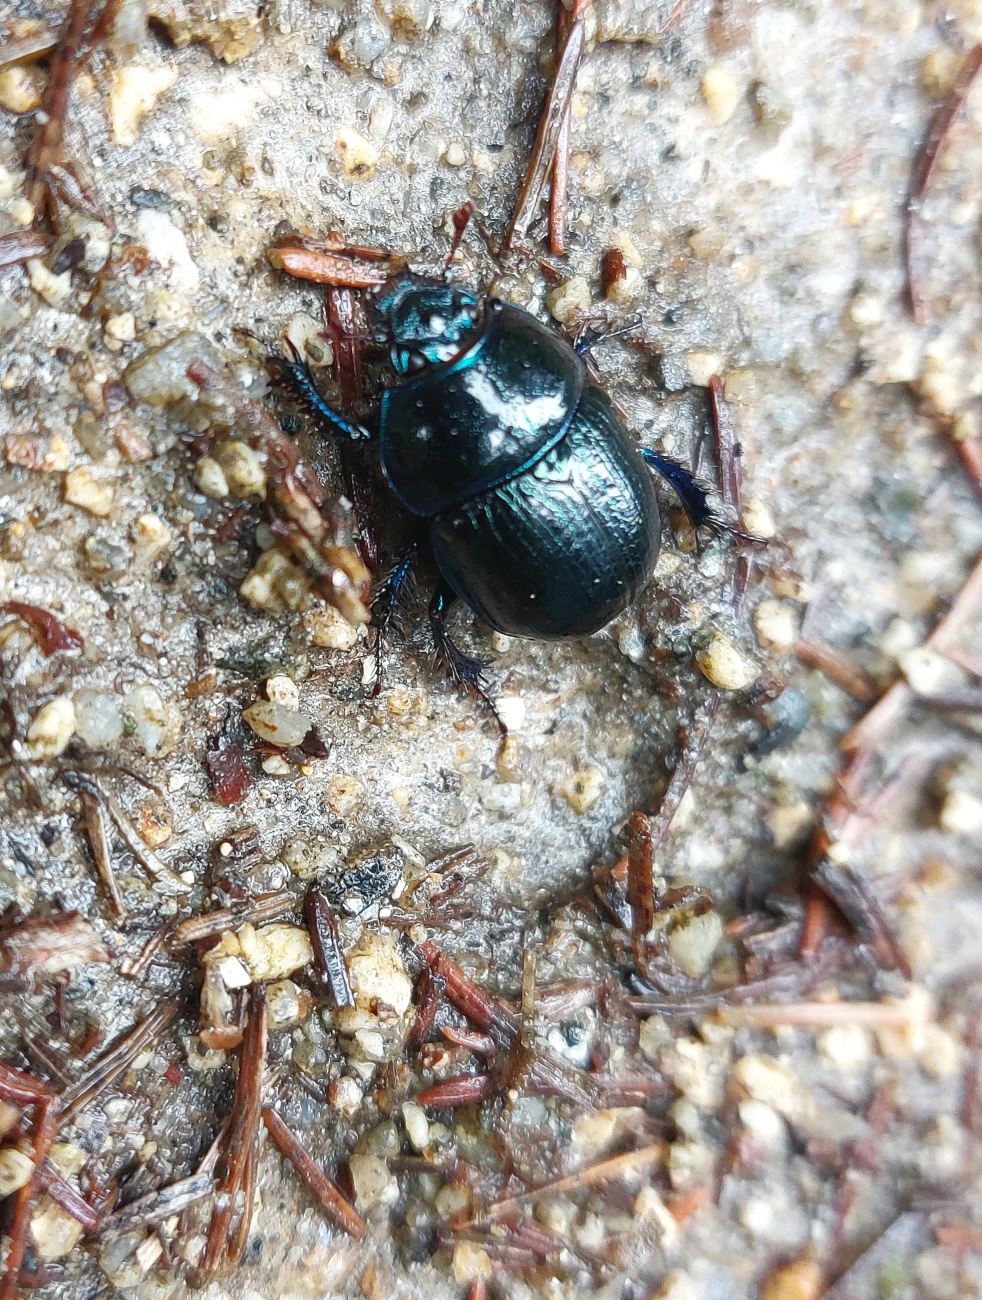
{"type": "Point", "coordinates": [466, 672]}
{"type": "Point", "coordinates": [387, 604]}
{"type": "Point", "coordinates": [693, 496]}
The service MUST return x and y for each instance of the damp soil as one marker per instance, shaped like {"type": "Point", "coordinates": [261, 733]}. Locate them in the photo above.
{"type": "Point", "coordinates": [752, 164]}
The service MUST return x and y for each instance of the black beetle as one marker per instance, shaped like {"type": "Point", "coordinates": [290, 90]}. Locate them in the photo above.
{"type": "Point", "coordinates": [540, 509]}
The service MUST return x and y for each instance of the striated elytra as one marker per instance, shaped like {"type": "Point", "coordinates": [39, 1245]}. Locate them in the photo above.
{"type": "Point", "coordinates": [543, 514]}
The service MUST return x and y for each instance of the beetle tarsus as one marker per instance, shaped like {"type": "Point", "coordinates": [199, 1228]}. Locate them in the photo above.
{"type": "Point", "coordinates": [466, 672]}
{"type": "Point", "coordinates": [395, 588]}
{"type": "Point", "coordinates": [586, 339]}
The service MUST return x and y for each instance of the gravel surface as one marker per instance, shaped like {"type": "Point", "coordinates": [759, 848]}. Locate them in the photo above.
{"type": "Point", "coordinates": [752, 165]}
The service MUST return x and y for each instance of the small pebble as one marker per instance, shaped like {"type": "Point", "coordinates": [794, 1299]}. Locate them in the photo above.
{"type": "Point", "coordinates": [151, 537]}
{"type": "Point", "coordinates": [274, 951]}
{"type": "Point", "coordinates": [54, 289]}
{"type": "Point", "coordinates": [16, 1170]}
{"type": "Point", "coordinates": [283, 1003]}
{"type": "Point", "coordinates": [359, 157]}
{"type": "Point", "coordinates": [21, 88]}
{"type": "Point", "coordinates": [244, 470]}
{"type": "Point", "coordinates": [702, 367]}
{"type": "Point", "coordinates": [98, 717]}
{"type": "Point", "coordinates": [693, 945]}
{"type": "Point", "coordinates": [90, 490]}
{"type": "Point", "coordinates": [121, 328]}
{"type": "Point", "coordinates": [471, 1262]}
{"type": "Point", "coordinates": [134, 93]}
{"type": "Point", "coordinates": [802, 1280]}
{"type": "Point", "coordinates": [157, 724]}
{"type": "Point", "coordinates": [757, 519]}
{"type": "Point", "coordinates": [961, 813]}
{"type": "Point", "coordinates": [721, 91]}
{"type": "Point", "coordinates": [725, 665]}
{"type": "Point", "coordinates": [276, 724]}
{"type": "Point", "coordinates": [209, 478]}
{"type": "Point", "coordinates": [417, 1125]}
{"type": "Point", "coordinates": [327, 627]}
{"type": "Point", "coordinates": [51, 728]}
{"type": "Point", "coordinates": [283, 690]}
{"type": "Point", "coordinates": [373, 1184]}
{"type": "Point", "coordinates": [845, 1047]}
{"type": "Point", "coordinates": [776, 625]}
{"type": "Point", "coordinates": [346, 1095]}
{"type": "Point", "coordinates": [677, 1286]}
{"type": "Point", "coordinates": [583, 789]}
{"type": "Point", "coordinates": [570, 300]}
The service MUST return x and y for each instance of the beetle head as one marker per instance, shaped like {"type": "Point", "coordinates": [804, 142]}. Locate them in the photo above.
{"type": "Point", "coordinates": [424, 321]}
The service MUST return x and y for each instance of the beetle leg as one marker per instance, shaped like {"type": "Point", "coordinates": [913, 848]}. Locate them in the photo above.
{"type": "Point", "coordinates": [466, 673]}
{"type": "Point", "coordinates": [586, 339]}
{"type": "Point", "coordinates": [694, 497]}
{"type": "Point", "coordinates": [393, 589]}
{"type": "Point", "coordinates": [295, 375]}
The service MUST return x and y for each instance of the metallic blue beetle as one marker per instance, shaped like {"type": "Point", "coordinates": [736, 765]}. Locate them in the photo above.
{"type": "Point", "coordinates": [540, 510]}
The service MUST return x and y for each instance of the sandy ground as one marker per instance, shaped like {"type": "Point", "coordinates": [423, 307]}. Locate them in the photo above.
{"type": "Point", "coordinates": [753, 163]}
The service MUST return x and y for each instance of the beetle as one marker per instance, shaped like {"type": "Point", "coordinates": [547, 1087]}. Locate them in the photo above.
{"type": "Point", "coordinates": [539, 508]}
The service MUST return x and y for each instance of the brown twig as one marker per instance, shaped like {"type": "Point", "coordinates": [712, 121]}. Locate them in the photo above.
{"type": "Point", "coordinates": [640, 884]}
{"type": "Point", "coordinates": [559, 192]}
{"type": "Point", "coordinates": [430, 988]}
{"type": "Point", "coordinates": [45, 1127]}
{"type": "Point", "coordinates": [50, 1181]}
{"type": "Point", "coordinates": [337, 1207]}
{"type": "Point", "coordinates": [112, 1063]}
{"type": "Point", "coordinates": [323, 267]}
{"type": "Point", "coordinates": [924, 171]}
{"type": "Point", "coordinates": [466, 1090]}
{"type": "Point", "coordinates": [549, 132]}
{"type": "Point", "coordinates": [480, 1007]}
{"type": "Point", "coordinates": [20, 246]}
{"type": "Point", "coordinates": [66, 61]}
{"type": "Point", "coordinates": [821, 1015]}
{"type": "Point", "coordinates": [631, 1162]}
{"type": "Point", "coordinates": [98, 836]}
{"type": "Point", "coordinates": [674, 14]}
{"type": "Point", "coordinates": [970, 453]}
{"type": "Point", "coordinates": [166, 880]}
{"type": "Point", "coordinates": [892, 704]}
{"type": "Point", "coordinates": [161, 1204]}
{"type": "Point", "coordinates": [479, 1044]}
{"type": "Point", "coordinates": [258, 911]}
{"type": "Point", "coordinates": [693, 736]}
{"type": "Point", "coordinates": [836, 667]}
{"type": "Point", "coordinates": [728, 453]}
{"type": "Point", "coordinates": [228, 1228]}
{"type": "Point", "coordinates": [858, 902]}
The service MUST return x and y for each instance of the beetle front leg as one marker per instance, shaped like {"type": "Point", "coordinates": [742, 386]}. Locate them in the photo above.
{"type": "Point", "coordinates": [466, 673]}
{"type": "Point", "coordinates": [295, 375]}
